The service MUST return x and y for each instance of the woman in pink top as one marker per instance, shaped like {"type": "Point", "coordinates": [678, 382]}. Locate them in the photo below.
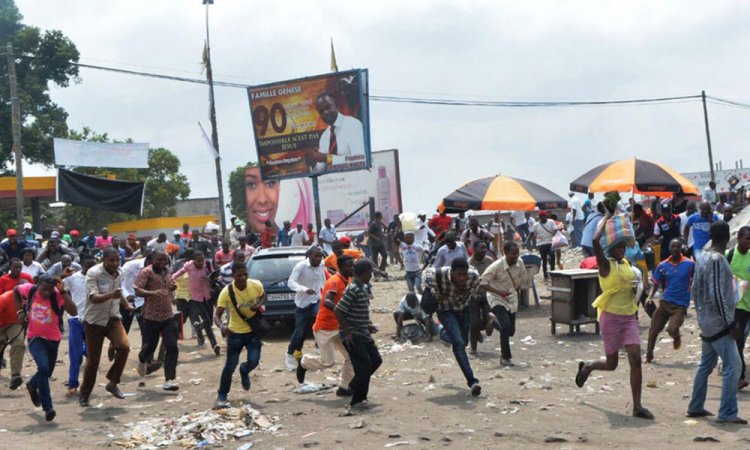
{"type": "Point", "coordinates": [43, 318]}
{"type": "Point", "coordinates": [199, 282]}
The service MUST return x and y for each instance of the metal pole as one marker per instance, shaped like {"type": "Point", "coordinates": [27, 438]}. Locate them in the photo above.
{"type": "Point", "coordinates": [708, 136]}
{"type": "Point", "coordinates": [316, 202]}
{"type": "Point", "coordinates": [214, 131]}
{"type": "Point", "coordinates": [16, 129]}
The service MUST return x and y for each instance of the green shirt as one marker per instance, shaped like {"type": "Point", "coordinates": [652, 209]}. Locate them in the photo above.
{"type": "Point", "coordinates": [741, 269]}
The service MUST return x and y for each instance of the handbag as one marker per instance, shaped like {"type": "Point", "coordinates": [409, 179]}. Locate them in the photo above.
{"type": "Point", "coordinates": [258, 324]}
{"type": "Point", "coordinates": [559, 241]}
{"type": "Point", "coordinates": [429, 302]}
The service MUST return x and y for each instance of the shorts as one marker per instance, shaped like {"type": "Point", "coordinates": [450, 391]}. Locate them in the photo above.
{"type": "Point", "coordinates": [618, 331]}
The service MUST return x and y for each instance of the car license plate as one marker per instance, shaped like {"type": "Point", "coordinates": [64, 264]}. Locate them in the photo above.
{"type": "Point", "coordinates": [280, 297]}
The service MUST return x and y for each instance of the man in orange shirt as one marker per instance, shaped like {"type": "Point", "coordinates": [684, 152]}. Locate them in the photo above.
{"type": "Point", "coordinates": [326, 330]}
{"type": "Point", "coordinates": [440, 223]}
{"type": "Point", "coordinates": [340, 247]}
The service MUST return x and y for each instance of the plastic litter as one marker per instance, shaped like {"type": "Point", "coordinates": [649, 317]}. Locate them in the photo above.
{"type": "Point", "coordinates": [310, 388]}
{"type": "Point", "coordinates": [198, 430]}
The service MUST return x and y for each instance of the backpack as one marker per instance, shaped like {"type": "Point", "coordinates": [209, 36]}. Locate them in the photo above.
{"type": "Point", "coordinates": [429, 302]}
{"type": "Point", "coordinates": [53, 300]}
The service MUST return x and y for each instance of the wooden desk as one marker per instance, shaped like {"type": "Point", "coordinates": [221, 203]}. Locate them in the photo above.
{"type": "Point", "coordinates": [573, 292]}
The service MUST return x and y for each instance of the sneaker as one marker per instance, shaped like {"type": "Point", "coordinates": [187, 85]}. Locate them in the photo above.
{"type": "Point", "coordinates": [15, 382]}
{"type": "Point", "coordinates": [84, 402]}
{"type": "Point", "coordinates": [201, 343]}
{"type": "Point", "coordinates": [473, 352]}
{"type": "Point", "coordinates": [290, 362]}
{"type": "Point", "coordinates": [49, 416]}
{"type": "Point", "coordinates": [506, 362]}
{"type": "Point", "coordinates": [301, 371]}
{"type": "Point", "coordinates": [344, 392]}
{"type": "Point", "coordinates": [142, 369]}
{"type": "Point", "coordinates": [244, 377]}
{"type": "Point", "coordinates": [33, 394]}
{"type": "Point", "coordinates": [217, 349]}
{"type": "Point", "coordinates": [170, 385]}
{"type": "Point", "coordinates": [476, 389]}
{"type": "Point", "coordinates": [361, 406]}
{"type": "Point", "coordinates": [222, 404]}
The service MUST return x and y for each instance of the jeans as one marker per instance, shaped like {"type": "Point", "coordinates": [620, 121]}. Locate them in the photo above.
{"type": "Point", "coordinates": [577, 233]}
{"type": "Point", "coordinates": [201, 320]}
{"type": "Point", "coordinates": [545, 251]}
{"type": "Point", "coordinates": [478, 310]}
{"type": "Point", "coordinates": [365, 361]}
{"type": "Point", "coordinates": [235, 343]}
{"type": "Point", "coordinates": [725, 348]}
{"type": "Point", "coordinates": [379, 250]}
{"type": "Point", "coordinates": [303, 320]}
{"type": "Point", "coordinates": [523, 231]}
{"type": "Point", "coordinates": [456, 327]}
{"type": "Point", "coordinates": [76, 350]}
{"type": "Point", "coordinates": [414, 281]}
{"type": "Point", "coordinates": [168, 330]}
{"type": "Point", "coordinates": [742, 317]}
{"type": "Point", "coordinates": [95, 334]}
{"type": "Point", "coordinates": [506, 325]}
{"type": "Point", "coordinates": [44, 353]}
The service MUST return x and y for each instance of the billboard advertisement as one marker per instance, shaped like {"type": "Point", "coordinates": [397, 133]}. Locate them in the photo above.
{"type": "Point", "coordinates": [726, 180]}
{"type": "Point", "coordinates": [312, 126]}
{"type": "Point", "coordinates": [340, 194]}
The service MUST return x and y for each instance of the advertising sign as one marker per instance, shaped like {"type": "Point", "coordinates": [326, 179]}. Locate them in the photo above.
{"type": "Point", "coordinates": [340, 194]}
{"type": "Point", "coordinates": [726, 180]}
{"type": "Point", "coordinates": [100, 154]}
{"type": "Point", "coordinates": [312, 126]}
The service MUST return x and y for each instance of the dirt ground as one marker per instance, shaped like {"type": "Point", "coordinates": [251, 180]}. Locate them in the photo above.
{"type": "Point", "coordinates": [419, 397]}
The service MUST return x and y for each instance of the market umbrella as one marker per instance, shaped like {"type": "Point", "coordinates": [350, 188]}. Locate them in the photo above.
{"type": "Point", "coordinates": [501, 193]}
{"type": "Point", "coordinates": [634, 175]}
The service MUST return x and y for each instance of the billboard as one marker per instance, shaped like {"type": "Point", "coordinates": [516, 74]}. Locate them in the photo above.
{"type": "Point", "coordinates": [340, 194]}
{"type": "Point", "coordinates": [100, 154]}
{"type": "Point", "coordinates": [726, 180]}
{"type": "Point", "coordinates": [312, 126]}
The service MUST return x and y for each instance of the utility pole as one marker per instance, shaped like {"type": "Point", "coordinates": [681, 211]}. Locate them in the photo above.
{"type": "Point", "coordinates": [15, 117]}
{"type": "Point", "coordinates": [214, 131]}
{"type": "Point", "coordinates": [708, 136]}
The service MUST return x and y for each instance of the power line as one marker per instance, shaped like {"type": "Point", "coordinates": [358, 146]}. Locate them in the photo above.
{"type": "Point", "coordinates": [723, 101]}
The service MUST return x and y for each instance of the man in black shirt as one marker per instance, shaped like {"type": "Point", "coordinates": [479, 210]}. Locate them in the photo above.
{"type": "Point", "coordinates": [377, 241]}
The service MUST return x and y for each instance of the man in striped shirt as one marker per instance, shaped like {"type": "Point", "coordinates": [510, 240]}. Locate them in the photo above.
{"type": "Point", "coordinates": [353, 315]}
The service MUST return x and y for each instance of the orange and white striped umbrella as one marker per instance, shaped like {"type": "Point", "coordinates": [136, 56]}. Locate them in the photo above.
{"type": "Point", "coordinates": [501, 193]}
{"type": "Point", "coordinates": [634, 175]}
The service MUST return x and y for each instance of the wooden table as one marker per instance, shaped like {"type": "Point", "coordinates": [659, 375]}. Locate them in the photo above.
{"type": "Point", "coordinates": [573, 292]}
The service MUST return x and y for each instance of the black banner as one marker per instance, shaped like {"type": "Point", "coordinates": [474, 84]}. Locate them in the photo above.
{"type": "Point", "coordinates": [100, 193]}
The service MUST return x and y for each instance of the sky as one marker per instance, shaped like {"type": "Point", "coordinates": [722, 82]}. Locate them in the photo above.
{"type": "Point", "coordinates": [473, 50]}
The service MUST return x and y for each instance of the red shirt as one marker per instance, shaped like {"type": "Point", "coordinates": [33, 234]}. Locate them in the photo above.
{"type": "Point", "coordinates": [8, 314]}
{"type": "Point", "coordinates": [440, 223]}
{"type": "Point", "coordinates": [266, 238]}
{"type": "Point", "coordinates": [221, 258]}
{"type": "Point", "coordinates": [7, 283]}
{"type": "Point", "coordinates": [43, 322]}
{"type": "Point", "coordinates": [326, 319]}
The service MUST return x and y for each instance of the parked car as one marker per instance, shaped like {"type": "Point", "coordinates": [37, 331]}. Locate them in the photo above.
{"type": "Point", "coordinates": [272, 267]}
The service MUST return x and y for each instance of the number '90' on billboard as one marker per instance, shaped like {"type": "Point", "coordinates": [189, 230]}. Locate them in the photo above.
{"type": "Point", "coordinates": [312, 126]}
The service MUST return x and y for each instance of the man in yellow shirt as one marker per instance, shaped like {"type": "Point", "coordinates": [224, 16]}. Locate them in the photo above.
{"type": "Point", "coordinates": [243, 298]}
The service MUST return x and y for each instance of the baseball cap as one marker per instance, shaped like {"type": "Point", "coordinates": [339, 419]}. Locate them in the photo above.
{"type": "Point", "coordinates": [10, 232]}
{"type": "Point", "coordinates": [176, 232]}
{"type": "Point", "coordinates": [54, 234]}
{"type": "Point", "coordinates": [74, 232]}
{"type": "Point", "coordinates": [345, 240]}
{"type": "Point", "coordinates": [27, 226]}
{"type": "Point", "coordinates": [543, 213]}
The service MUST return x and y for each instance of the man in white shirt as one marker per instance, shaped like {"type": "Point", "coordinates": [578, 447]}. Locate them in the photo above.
{"type": "Point", "coordinates": [306, 280]}
{"type": "Point", "coordinates": [327, 235]}
{"type": "Point", "coordinates": [298, 236]}
{"type": "Point", "coordinates": [423, 232]}
{"type": "Point", "coordinates": [159, 243]}
{"type": "Point", "coordinates": [576, 208]}
{"type": "Point", "coordinates": [343, 142]}
{"type": "Point", "coordinates": [76, 284]}
{"type": "Point", "coordinates": [690, 209]}
{"type": "Point", "coordinates": [710, 195]}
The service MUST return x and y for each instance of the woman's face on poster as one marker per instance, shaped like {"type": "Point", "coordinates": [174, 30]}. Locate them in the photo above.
{"type": "Point", "coordinates": [262, 199]}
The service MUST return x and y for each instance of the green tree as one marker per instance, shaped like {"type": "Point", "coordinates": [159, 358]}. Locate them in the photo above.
{"type": "Point", "coordinates": [42, 57]}
{"type": "Point", "coordinates": [164, 186]}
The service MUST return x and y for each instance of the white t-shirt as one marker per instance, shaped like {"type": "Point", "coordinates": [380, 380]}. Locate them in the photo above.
{"type": "Point", "coordinates": [683, 225]}
{"type": "Point", "coordinates": [577, 206]}
{"type": "Point", "coordinates": [421, 236]}
{"type": "Point", "coordinates": [416, 312]}
{"type": "Point", "coordinates": [412, 255]}
{"type": "Point", "coordinates": [544, 232]}
{"type": "Point", "coordinates": [34, 269]}
{"type": "Point", "coordinates": [76, 284]}
{"type": "Point", "coordinates": [519, 218]}
{"type": "Point", "coordinates": [298, 237]}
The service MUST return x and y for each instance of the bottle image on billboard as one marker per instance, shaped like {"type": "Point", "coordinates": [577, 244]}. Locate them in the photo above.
{"type": "Point", "coordinates": [383, 200]}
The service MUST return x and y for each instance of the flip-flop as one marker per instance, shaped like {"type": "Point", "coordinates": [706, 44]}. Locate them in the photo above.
{"type": "Point", "coordinates": [643, 413]}
{"type": "Point", "coordinates": [580, 376]}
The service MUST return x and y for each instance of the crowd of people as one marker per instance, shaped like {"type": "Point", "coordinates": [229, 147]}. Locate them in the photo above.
{"type": "Point", "coordinates": [463, 282]}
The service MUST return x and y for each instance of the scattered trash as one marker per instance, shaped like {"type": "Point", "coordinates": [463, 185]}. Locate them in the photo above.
{"type": "Point", "coordinates": [247, 446]}
{"type": "Point", "coordinates": [394, 436]}
{"type": "Point", "coordinates": [197, 430]}
{"type": "Point", "coordinates": [310, 388]}
{"type": "Point", "coordinates": [705, 439]}
{"type": "Point", "coordinates": [528, 340]}
{"type": "Point", "coordinates": [357, 424]}
{"type": "Point", "coordinates": [398, 443]}
{"type": "Point", "coordinates": [521, 401]}
{"type": "Point", "coordinates": [429, 387]}
{"type": "Point", "coordinates": [690, 422]}
{"type": "Point", "coordinates": [396, 348]}
{"type": "Point", "coordinates": [651, 384]}
{"type": "Point", "coordinates": [195, 381]}
{"type": "Point", "coordinates": [554, 439]}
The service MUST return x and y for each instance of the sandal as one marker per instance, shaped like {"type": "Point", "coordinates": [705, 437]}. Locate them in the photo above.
{"type": "Point", "coordinates": [643, 413]}
{"type": "Point", "coordinates": [581, 377]}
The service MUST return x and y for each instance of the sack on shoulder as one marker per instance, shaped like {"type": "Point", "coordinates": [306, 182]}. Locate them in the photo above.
{"type": "Point", "coordinates": [429, 303]}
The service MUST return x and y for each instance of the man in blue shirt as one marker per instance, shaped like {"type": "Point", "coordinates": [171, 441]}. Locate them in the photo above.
{"type": "Point", "coordinates": [700, 223]}
{"type": "Point", "coordinates": [675, 274]}
{"type": "Point", "coordinates": [13, 247]}
{"type": "Point", "coordinates": [589, 227]}
{"type": "Point", "coordinates": [284, 239]}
